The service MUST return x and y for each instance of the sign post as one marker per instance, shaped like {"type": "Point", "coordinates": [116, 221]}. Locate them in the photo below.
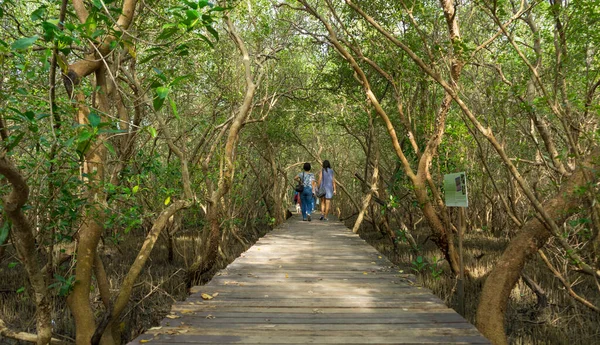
{"type": "Point", "coordinates": [455, 188]}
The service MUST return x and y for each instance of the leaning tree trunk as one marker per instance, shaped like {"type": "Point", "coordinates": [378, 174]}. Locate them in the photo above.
{"type": "Point", "coordinates": [205, 262]}
{"type": "Point", "coordinates": [506, 273]}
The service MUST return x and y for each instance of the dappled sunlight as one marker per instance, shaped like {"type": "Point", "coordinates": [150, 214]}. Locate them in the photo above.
{"type": "Point", "coordinates": [312, 281]}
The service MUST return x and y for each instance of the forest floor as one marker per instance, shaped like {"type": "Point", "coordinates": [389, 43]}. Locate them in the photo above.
{"type": "Point", "coordinates": [159, 286]}
{"type": "Point", "coordinates": [163, 282]}
{"type": "Point", "coordinates": [561, 322]}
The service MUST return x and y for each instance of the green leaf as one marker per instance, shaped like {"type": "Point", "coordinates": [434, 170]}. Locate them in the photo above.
{"type": "Point", "coordinates": [135, 189]}
{"type": "Point", "coordinates": [218, 9]}
{"type": "Point", "coordinates": [158, 103]}
{"type": "Point", "coordinates": [205, 39]}
{"type": "Point", "coordinates": [21, 289]}
{"type": "Point", "coordinates": [14, 140]}
{"type": "Point", "coordinates": [167, 200]}
{"type": "Point", "coordinates": [13, 264]}
{"type": "Point", "coordinates": [148, 58]}
{"type": "Point", "coordinates": [160, 74]}
{"type": "Point", "coordinates": [191, 4]}
{"type": "Point", "coordinates": [84, 136]}
{"type": "Point", "coordinates": [152, 131]}
{"type": "Point", "coordinates": [24, 43]}
{"type": "Point", "coordinates": [162, 91]}
{"type": "Point", "coordinates": [213, 32]}
{"type": "Point", "coordinates": [94, 119]}
{"type": "Point", "coordinates": [167, 33]}
{"type": "Point", "coordinates": [177, 80]}
{"type": "Point", "coordinates": [161, 94]}
{"type": "Point", "coordinates": [98, 32]}
{"type": "Point", "coordinates": [192, 15]}
{"type": "Point", "coordinates": [38, 14]}
{"type": "Point", "coordinates": [4, 231]}
{"type": "Point", "coordinates": [110, 147]}
{"type": "Point", "coordinates": [174, 108]}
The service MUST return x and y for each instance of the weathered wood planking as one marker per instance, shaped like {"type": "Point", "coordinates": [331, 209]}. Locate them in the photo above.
{"type": "Point", "coordinates": [312, 283]}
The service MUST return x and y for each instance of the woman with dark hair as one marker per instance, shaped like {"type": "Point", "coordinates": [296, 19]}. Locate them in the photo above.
{"type": "Point", "coordinates": [307, 196]}
{"type": "Point", "coordinates": [327, 182]}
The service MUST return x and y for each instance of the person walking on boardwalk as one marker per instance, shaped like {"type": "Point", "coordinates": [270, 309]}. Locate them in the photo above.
{"type": "Point", "coordinates": [327, 185]}
{"type": "Point", "coordinates": [306, 197]}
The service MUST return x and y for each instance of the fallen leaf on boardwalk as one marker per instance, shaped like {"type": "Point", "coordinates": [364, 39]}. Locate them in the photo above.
{"type": "Point", "coordinates": [143, 341]}
{"type": "Point", "coordinates": [210, 317]}
{"type": "Point", "coordinates": [379, 256]}
{"type": "Point", "coordinates": [310, 292]}
{"type": "Point", "coordinates": [171, 316]}
{"type": "Point", "coordinates": [286, 275]}
{"type": "Point", "coordinates": [365, 273]}
{"type": "Point", "coordinates": [206, 296]}
{"type": "Point", "coordinates": [373, 262]}
{"type": "Point", "coordinates": [317, 311]}
{"type": "Point", "coordinates": [183, 331]}
{"type": "Point", "coordinates": [155, 328]}
{"type": "Point", "coordinates": [215, 294]}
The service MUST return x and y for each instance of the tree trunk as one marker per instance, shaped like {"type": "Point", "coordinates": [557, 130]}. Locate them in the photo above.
{"type": "Point", "coordinates": [24, 242]}
{"type": "Point", "coordinates": [506, 272]}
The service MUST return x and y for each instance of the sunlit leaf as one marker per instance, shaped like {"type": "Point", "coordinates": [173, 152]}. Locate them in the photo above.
{"type": "Point", "coordinates": [167, 200]}
{"type": "Point", "coordinates": [162, 91]}
{"type": "Point", "coordinates": [152, 131]}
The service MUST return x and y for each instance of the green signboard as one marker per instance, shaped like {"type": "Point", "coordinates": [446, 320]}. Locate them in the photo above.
{"type": "Point", "coordinates": [455, 187]}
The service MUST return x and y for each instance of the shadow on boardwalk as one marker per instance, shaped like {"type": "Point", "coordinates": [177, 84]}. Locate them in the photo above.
{"type": "Point", "coordinates": [312, 282]}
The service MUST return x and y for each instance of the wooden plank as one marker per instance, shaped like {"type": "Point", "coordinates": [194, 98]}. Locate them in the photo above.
{"type": "Point", "coordinates": [312, 283]}
{"type": "Point", "coordinates": [312, 339]}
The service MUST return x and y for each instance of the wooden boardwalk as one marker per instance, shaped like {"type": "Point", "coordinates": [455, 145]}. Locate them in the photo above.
{"type": "Point", "coordinates": [312, 283]}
